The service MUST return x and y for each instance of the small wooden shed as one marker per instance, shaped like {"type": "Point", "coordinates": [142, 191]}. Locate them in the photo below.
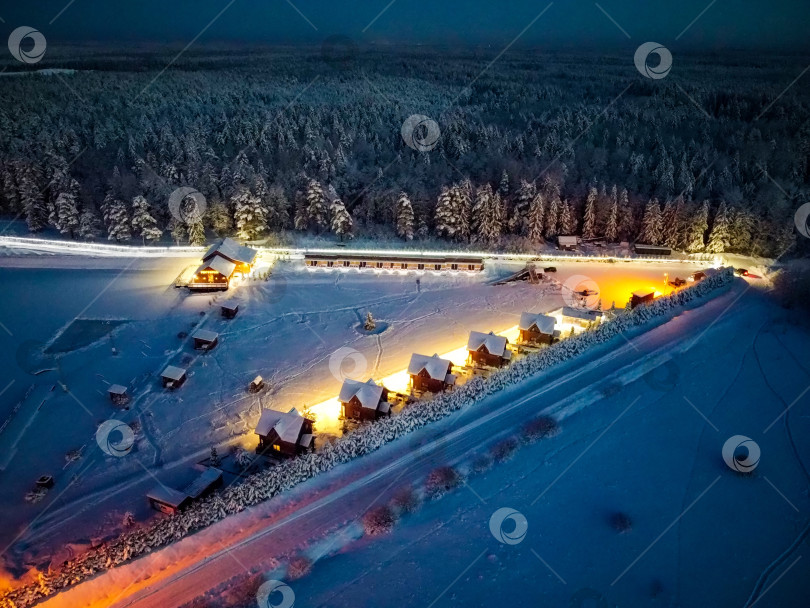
{"type": "Point", "coordinates": [118, 394]}
{"type": "Point", "coordinates": [642, 296]}
{"type": "Point", "coordinates": [204, 339]}
{"type": "Point", "coordinates": [173, 377]}
{"type": "Point", "coordinates": [568, 243]}
{"type": "Point", "coordinates": [256, 384]}
{"type": "Point", "coordinates": [229, 310]}
{"type": "Point", "coordinates": [167, 500]}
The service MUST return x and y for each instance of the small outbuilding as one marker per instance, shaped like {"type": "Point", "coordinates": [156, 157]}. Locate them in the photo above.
{"type": "Point", "coordinates": [488, 349]}
{"type": "Point", "coordinates": [536, 328]}
{"type": "Point", "coordinates": [256, 384]}
{"type": "Point", "coordinates": [431, 374]}
{"type": "Point", "coordinates": [567, 243]}
{"type": "Point", "coordinates": [173, 377]}
{"type": "Point", "coordinates": [205, 339]}
{"type": "Point", "coordinates": [118, 394]}
{"type": "Point", "coordinates": [229, 310]}
{"type": "Point", "coordinates": [581, 317]}
{"type": "Point", "coordinates": [285, 433]}
{"type": "Point", "coordinates": [205, 482]}
{"type": "Point", "coordinates": [167, 500]}
{"type": "Point", "coordinates": [642, 296]}
{"type": "Point", "coordinates": [363, 400]}
{"type": "Point", "coordinates": [655, 250]}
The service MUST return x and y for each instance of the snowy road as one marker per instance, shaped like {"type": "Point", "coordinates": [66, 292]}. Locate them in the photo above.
{"type": "Point", "coordinates": [319, 509]}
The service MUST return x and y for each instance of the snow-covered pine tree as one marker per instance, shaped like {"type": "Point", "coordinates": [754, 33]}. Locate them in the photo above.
{"type": "Point", "coordinates": [518, 221]}
{"type": "Point", "coordinates": [463, 195]}
{"type": "Point", "coordinates": [536, 217]}
{"type": "Point", "coordinates": [589, 219]}
{"type": "Point", "coordinates": [88, 225]}
{"type": "Point", "coordinates": [488, 215]}
{"type": "Point", "coordinates": [627, 223]}
{"type": "Point", "coordinates": [65, 214]}
{"type": "Point", "coordinates": [316, 206]}
{"type": "Point", "coordinates": [719, 237]}
{"type": "Point", "coordinates": [118, 222]}
{"type": "Point", "coordinates": [651, 224]}
{"type": "Point", "coordinates": [503, 187]}
{"type": "Point", "coordinates": [142, 221]}
{"type": "Point", "coordinates": [219, 218]}
{"type": "Point", "coordinates": [670, 230]}
{"type": "Point", "coordinates": [568, 222]}
{"type": "Point", "coordinates": [612, 223]}
{"type": "Point", "coordinates": [741, 229]}
{"type": "Point", "coordinates": [341, 220]}
{"type": "Point", "coordinates": [33, 204]}
{"type": "Point", "coordinates": [405, 217]}
{"type": "Point", "coordinates": [178, 232]}
{"type": "Point", "coordinates": [698, 226]}
{"type": "Point", "coordinates": [278, 208]}
{"type": "Point", "coordinates": [552, 217]}
{"type": "Point", "coordinates": [196, 230]}
{"type": "Point", "coordinates": [248, 214]}
{"type": "Point", "coordinates": [446, 219]}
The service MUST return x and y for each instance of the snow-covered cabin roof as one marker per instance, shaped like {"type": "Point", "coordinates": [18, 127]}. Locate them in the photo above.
{"type": "Point", "coordinates": [495, 345]}
{"type": "Point", "coordinates": [166, 495]}
{"type": "Point", "coordinates": [369, 393]}
{"type": "Point", "coordinates": [117, 389]}
{"type": "Point", "coordinates": [221, 265]}
{"type": "Point", "coordinates": [286, 424]}
{"type": "Point", "coordinates": [173, 373]}
{"type": "Point", "coordinates": [205, 335]}
{"type": "Point", "coordinates": [204, 480]}
{"type": "Point", "coordinates": [544, 323]}
{"type": "Point", "coordinates": [233, 251]}
{"type": "Point", "coordinates": [586, 314]}
{"type": "Point", "coordinates": [644, 293]}
{"type": "Point", "coordinates": [568, 240]}
{"type": "Point", "coordinates": [435, 367]}
{"type": "Point", "coordinates": [233, 306]}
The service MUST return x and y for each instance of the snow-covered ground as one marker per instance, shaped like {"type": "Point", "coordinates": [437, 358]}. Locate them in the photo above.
{"type": "Point", "coordinates": [643, 422]}
{"type": "Point", "coordinates": [289, 330]}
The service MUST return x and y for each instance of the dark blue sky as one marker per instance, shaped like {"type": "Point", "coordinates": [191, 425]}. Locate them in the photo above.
{"type": "Point", "coordinates": [726, 23]}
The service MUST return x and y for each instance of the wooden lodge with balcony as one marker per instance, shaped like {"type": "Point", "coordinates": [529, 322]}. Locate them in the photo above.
{"type": "Point", "coordinates": [363, 400]}
{"type": "Point", "coordinates": [536, 329]}
{"type": "Point", "coordinates": [431, 374]}
{"type": "Point", "coordinates": [488, 349]}
{"type": "Point", "coordinates": [221, 263]}
{"type": "Point", "coordinates": [284, 433]}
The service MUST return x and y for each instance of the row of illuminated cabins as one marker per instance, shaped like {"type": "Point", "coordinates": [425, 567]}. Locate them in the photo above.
{"type": "Point", "coordinates": [290, 433]}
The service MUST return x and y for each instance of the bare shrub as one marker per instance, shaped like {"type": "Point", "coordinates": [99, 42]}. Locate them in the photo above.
{"type": "Point", "coordinates": [441, 481]}
{"type": "Point", "coordinates": [504, 450]}
{"type": "Point", "coordinates": [481, 463]}
{"type": "Point", "coordinates": [621, 522]}
{"type": "Point", "coordinates": [300, 566]}
{"type": "Point", "coordinates": [540, 428]}
{"type": "Point", "coordinates": [405, 500]}
{"type": "Point", "coordinates": [379, 520]}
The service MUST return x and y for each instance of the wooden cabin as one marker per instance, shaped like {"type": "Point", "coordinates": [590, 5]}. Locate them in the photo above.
{"type": "Point", "coordinates": [567, 243]}
{"type": "Point", "coordinates": [173, 377]}
{"type": "Point", "coordinates": [220, 264]}
{"type": "Point", "coordinates": [363, 400]}
{"type": "Point", "coordinates": [642, 296]}
{"type": "Point", "coordinates": [285, 433]}
{"type": "Point", "coordinates": [581, 317]}
{"type": "Point", "coordinates": [536, 329]}
{"type": "Point", "coordinates": [118, 394]}
{"type": "Point", "coordinates": [656, 250]}
{"type": "Point", "coordinates": [390, 262]}
{"type": "Point", "coordinates": [229, 310]}
{"type": "Point", "coordinates": [431, 374]}
{"type": "Point", "coordinates": [204, 339]}
{"type": "Point", "coordinates": [256, 384]}
{"type": "Point", "coordinates": [488, 349]}
{"type": "Point", "coordinates": [167, 500]}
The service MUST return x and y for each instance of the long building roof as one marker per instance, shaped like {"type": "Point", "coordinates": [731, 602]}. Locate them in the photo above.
{"type": "Point", "coordinates": [231, 250]}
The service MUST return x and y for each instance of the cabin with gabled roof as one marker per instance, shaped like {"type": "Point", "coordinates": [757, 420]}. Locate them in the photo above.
{"type": "Point", "coordinates": [173, 377]}
{"type": "Point", "coordinates": [536, 328]}
{"type": "Point", "coordinates": [221, 263]}
{"type": "Point", "coordinates": [285, 433]}
{"type": "Point", "coordinates": [642, 296]}
{"type": "Point", "coordinates": [363, 400]}
{"type": "Point", "coordinates": [431, 374]}
{"type": "Point", "coordinates": [488, 349]}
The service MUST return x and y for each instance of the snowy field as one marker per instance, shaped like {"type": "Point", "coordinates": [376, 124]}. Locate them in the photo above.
{"type": "Point", "coordinates": [98, 321]}
{"type": "Point", "coordinates": [643, 422]}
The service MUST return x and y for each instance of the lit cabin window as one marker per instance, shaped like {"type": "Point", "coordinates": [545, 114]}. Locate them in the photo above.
{"type": "Point", "coordinates": [362, 264]}
{"type": "Point", "coordinates": [404, 266]}
{"type": "Point", "coordinates": [379, 264]}
{"type": "Point", "coordinates": [420, 266]}
{"type": "Point", "coordinates": [276, 447]}
{"type": "Point", "coordinates": [453, 266]}
{"type": "Point", "coordinates": [346, 263]}
{"type": "Point", "coordinates": [330, 264]}
{"type": "Point", "coordinates": [437, 266]}
{"type": "Point", "coordinates": [470, 266]}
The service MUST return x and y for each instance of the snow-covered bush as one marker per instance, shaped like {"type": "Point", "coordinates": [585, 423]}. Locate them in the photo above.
{"type": "Point", "coordinates": [482, 463]}
{"type": "Point", "coordinates": [440, 481]}
{"type": "Point", "coordinates": [379, 520]}
{"type": "Point", "coordinates": [405, 500]}
{"type": "Point", "coordinates": [504, 449]}
{"type": "Point", "coordinates": [267, 483]}
{"type": "Point", "coordinates": [539, 428]}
